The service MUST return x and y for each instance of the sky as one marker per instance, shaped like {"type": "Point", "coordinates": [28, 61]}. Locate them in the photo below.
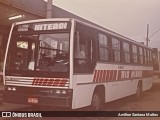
{"type": "Point", "coordinates": [126, 17]}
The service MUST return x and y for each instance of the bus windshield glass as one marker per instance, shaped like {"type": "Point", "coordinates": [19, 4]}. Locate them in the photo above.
{"type": "Point", "coordinates": [41, 54]}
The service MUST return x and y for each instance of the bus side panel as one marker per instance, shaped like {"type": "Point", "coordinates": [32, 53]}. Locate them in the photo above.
{"type": "Point", "coordinates": [82, 94]}
{"type": "Point", "coordinates": [82, 91]}
{"type": "Point", "coordinates": [147, 83]}
{"type": "Point", "coordinates": [118, 83]}
{"type": "Point", "coordinates": [119, 89]}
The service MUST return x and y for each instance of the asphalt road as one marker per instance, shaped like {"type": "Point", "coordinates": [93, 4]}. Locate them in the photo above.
{"type": "Point", "coordinates": [150, 101]}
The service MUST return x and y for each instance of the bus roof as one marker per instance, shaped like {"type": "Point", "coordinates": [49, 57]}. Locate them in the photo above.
{"type": "Point", "coordinates": [88, 23]}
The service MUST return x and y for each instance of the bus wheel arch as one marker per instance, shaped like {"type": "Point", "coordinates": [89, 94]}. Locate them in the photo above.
{"type": "Point", "coordinates": [98, 97]}
{"type": "Point", "coordinates": [139, 90]}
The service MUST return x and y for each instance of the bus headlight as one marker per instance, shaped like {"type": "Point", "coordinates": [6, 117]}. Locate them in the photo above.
{"type": "Point", "coordinates": [56, 92]}
{"type": "Point", "coordinates": [11, 88]}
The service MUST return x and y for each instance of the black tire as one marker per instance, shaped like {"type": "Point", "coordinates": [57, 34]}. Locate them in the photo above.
{"type": "Point", "coordinates": [139, 91]}
{"type": "Point", "coordinates": [96, 103]}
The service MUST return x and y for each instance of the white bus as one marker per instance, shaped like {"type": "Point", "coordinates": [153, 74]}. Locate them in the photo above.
{"type": "Point", "coordinates": [156, 62]}
{"type": "Point", "coordinates": [69, 63]}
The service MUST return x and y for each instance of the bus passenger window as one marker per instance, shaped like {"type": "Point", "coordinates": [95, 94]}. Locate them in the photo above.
{"type": "Point", "coordinates": [116, 50]}
{"type": "Point", "coordinates": [104, 53]}
{"type": "Point", "coordinates": [141, 55]}
{"type": "Point", "coordinates": [134, 54]}
{"type": "Point", "coordinates": [126, 51]}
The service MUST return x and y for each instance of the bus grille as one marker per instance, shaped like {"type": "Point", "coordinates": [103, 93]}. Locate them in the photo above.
{"type": "Point", "coordinates": [43, 82]}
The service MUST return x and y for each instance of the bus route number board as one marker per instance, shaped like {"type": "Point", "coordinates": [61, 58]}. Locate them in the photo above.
{"type": "Point", "coordinates": [33, 100]}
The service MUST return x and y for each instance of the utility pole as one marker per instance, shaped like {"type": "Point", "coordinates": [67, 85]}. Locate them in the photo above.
{"type": "Point", "coordinates": [49, 9]}
{"type": "Point", "coordinates": [147, 39]}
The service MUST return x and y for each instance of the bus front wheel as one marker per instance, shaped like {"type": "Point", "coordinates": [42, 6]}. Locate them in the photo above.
{"type": "Point", "coordinates": [96, 103]}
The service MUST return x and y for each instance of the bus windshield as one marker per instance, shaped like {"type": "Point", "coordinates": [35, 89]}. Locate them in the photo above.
{"type": "Point", "coordinates": [45, 53]}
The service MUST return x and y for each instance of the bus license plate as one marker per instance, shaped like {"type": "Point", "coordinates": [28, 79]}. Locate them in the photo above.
{"type": "Point", "coordinates": [32, 100]}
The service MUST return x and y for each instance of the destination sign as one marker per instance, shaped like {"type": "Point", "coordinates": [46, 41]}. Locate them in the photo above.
{"type": "Point", "coordinates": [45, 26]}
{"type": "Point", "coordinates": [23, 28]}
{"type": "Point", "coordinates": [54, 26]}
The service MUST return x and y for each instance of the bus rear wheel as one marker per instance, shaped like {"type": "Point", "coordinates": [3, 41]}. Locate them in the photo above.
{"type": "Point", "coordinates": [96, 103]}
{"type": "Point", "coordinates": [139, 91]}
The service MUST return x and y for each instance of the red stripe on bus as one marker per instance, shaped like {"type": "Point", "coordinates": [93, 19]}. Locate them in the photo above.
{"type": "Point", "coordinates": [101, 75]}
{"type": "Point", "coordinates": [95, 76]}
{"type": "Point", "coordinates": [56, 82]}
{"type": "Point", "coordinates": [34, 81]}
{"type": "Point", "coordinates": [62, 83]}
{"type": "Point", "coordinates": [119, 75]}
{"type": "Point", "coordinates": [38, 81]}
{"type": "Point", "coordinates": [44, 82]}
{"type": "Point", "coordinates": [98, 76]}
{"type": "Point", "coordinates": [49, 82]}
{"type": "Point", "coordinates": [114, 75]}
{"type": "Point", "coordinates": [106, 75]}
{"type": "Point", "coordinates": [109, 74]}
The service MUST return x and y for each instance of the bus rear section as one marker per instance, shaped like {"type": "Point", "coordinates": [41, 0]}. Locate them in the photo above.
{"type": "Point", "coordinates": [37, 67]}
{"type": "Point", "coordinates": [108, 66]}
{"type": "Point", "coordinates": [156, 62]}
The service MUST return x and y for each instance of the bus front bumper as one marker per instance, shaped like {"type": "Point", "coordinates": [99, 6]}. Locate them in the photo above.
{"type": "Point", "coordinates": [37, 99]}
